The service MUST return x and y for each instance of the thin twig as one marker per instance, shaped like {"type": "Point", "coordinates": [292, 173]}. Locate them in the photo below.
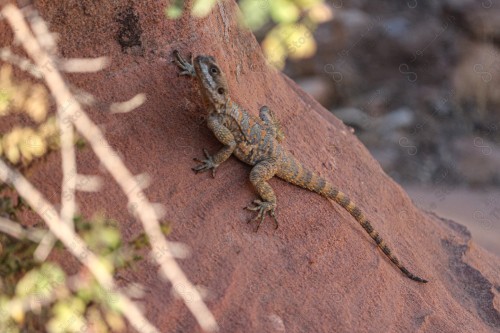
{"type": "Point", "coordinates": [129, 105]}
{"type": "Point", "coordinates": [21, 62]}
{"type": "Point", "coordinates": [77, 65]}
{"type": "Point", "coordinates": [15, 230]}
{"type": "Point", "coordinates": [68, 200]}
{"type": "Point", "coordinates": [68, 156]}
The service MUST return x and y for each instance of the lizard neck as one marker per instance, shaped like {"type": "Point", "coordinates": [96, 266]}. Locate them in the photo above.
{"type": "Point", "coordinates": [224, 108]}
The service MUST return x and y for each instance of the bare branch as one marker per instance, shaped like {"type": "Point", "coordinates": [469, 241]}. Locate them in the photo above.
{"type": "Point", "coordinates": [44, 247]}
{"type": "Point", "coordinates": [16, 230]}
{"type": "Point", "coordinates": [45, 38]}
{"type": "Point", "coordinates": [78, 65]}
{"type": "Point", "coordinates": [68, 185]}
{"type": "Point", "coordinates": [88, 183]}
{"type": "Point", "coordinates": [21, 62]}
{"type": "Point", "coordinates": [129, 105]}
{"type": "Point", "coordinates": [69, 168]}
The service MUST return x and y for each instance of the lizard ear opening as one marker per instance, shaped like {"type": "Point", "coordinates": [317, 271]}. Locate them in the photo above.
{"type": "Point", "coordinates": [221, 91]}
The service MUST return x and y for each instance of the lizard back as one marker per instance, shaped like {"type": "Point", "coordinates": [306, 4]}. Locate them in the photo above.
{"type": "Point", "coordinates": [254, 140]}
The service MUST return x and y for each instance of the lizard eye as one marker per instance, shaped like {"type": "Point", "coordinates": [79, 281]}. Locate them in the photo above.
{"type": "Point", "coordinates": [221, 91]}
{"type": "Point", "coordinates": [214, 70]}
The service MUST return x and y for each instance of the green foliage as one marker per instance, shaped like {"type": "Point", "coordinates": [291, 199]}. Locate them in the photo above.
{"type": "Point", "coordinates": [202, 8]}
{"type": "Point", "coordinates": [16, 261]}
{"type": "Point", "coordinates": [284, 11]}
{"type": "Point", "coordinates": [41, 281]}
{"type": "Point", "coordinates": [26, 97]}
{"type": "Point", "coordinates": [23, 144]}
{"type": "Point", "coordinates": [255, 13]}
{"type": "Point", "coordinates": [174, 11]}
{"type": "Point", "coordinates": [291, 35]}
{"type": "Point", "coordinates": [37, 297]}
{"type": "Point", "coordinates": [68, 316]}
{"type": "Point", "coordinates": [291, 40]}
{"type": "Point", "coordinates": [4, 100]}
{"type": "Point", "coordinates": [288, 24]}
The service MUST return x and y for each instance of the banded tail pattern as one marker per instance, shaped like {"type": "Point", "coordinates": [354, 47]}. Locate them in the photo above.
{"type": "Point", "coordinates": [294, 172]}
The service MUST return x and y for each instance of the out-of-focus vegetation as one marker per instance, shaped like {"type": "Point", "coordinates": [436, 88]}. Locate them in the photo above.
{"type": "Point", "coordinates": [23, 144]}
{"type": "Point", "coordinates": [22, 96]}
{"type": "Point", "coordinates": [36, 297]}
{"type": "Point", "coordinates": [287, 25]}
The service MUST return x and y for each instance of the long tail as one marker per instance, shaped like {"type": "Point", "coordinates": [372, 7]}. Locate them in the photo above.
{"type": "Point", "coordinates": [294, 172]}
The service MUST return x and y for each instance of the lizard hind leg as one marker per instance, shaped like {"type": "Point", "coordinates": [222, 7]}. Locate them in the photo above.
{"type": "Point", "coordinates": [260, 174]}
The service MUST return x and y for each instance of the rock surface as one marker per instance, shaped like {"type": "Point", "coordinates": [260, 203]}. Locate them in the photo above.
{"type": "Point", "coordinates": [319, 272]}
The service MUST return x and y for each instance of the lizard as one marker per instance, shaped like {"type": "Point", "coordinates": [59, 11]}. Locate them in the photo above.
{"type": "Point", "coordinates": [258, 142]}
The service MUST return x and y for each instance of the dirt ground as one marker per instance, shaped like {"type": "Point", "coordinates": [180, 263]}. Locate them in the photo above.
{"type": "Point", "coordinates": [477, 209]}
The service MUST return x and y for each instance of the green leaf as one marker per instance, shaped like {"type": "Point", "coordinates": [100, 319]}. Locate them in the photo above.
{"type": "Point", "coordinates": [202, 8]}
{"type": "Point", "coordinates": [255, 13]}
{"type": "Point", "coordinates": [4, 102]}
{"type": "Point", "coordinates": [68, 317]}
{"type": "Point", "coordinates": [284, 11]}
{"type": "Point", "coordinates": [175, 10]}
{"type": "Point", "coordinates": [307, 3]}
{"type": "Point", "coordinates": [7, 325]}
{"type": "Point", "coordinates": [274, 50]}
{"type": "Point", "coordinates": [110, 237]}
{"type": "Point", "coordinates": [41, 282]}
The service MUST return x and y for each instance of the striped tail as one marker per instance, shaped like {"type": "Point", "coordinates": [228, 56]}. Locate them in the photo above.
{"type": "Point", "coordinates": [348, 205]}
{"type": "Point", "coordinates": [295, 173]}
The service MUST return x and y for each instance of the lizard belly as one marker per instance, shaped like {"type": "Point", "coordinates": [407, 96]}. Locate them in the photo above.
{"type": "Point", "coordinates": [245, 153]}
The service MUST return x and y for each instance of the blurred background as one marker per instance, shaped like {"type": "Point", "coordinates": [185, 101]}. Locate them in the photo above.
{"type": "Point", "coordinates": [418, 81]}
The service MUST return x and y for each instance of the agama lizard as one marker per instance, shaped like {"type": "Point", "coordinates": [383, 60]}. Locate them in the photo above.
{"type": "Point", "coordinates": [257, 143]}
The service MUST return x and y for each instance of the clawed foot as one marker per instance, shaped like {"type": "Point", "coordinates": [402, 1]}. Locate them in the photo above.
{"type": "Point", "coordinates": [205, 164]}
{"type": "Point", "coordinates": [262, 207]}
{"type": "Point", "coordinates": [187, 68]}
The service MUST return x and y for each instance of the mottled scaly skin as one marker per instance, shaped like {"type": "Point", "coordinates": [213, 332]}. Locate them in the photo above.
{"type": "Point", "coordinates": [257, 142]}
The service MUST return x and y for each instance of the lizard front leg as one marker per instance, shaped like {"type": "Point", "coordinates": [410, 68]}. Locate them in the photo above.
{"type": "Point", "coordinates": [187, 67]}
{"type": "Point", "coordinates": [260, 174]}
{"type": "Point", "coordinates": [224, 135]}
{"type": "Point", "coordinates": [272, 122]}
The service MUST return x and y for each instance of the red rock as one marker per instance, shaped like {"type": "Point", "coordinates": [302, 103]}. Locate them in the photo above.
{"type": "Point", "coordinates": [319, 272]}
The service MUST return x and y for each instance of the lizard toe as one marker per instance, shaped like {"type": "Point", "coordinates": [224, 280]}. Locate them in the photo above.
{"type": "Point", "coordinates": [273, 216]}
{"type": "Point", "coordinates": [205, 165]}
{"type": "Point", "coordinates": [263, 208]}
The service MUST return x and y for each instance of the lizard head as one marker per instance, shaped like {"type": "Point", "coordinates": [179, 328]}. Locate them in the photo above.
{"type": "Point", "coordinates": [212, 79]}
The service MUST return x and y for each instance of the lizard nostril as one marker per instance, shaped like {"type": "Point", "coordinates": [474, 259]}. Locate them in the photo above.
{"type": "Point", "coordinates": [220, 91]}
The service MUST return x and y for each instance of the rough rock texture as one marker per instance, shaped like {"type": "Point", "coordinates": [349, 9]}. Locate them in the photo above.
{"type": "Point", "coordinates": [319, 272]}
